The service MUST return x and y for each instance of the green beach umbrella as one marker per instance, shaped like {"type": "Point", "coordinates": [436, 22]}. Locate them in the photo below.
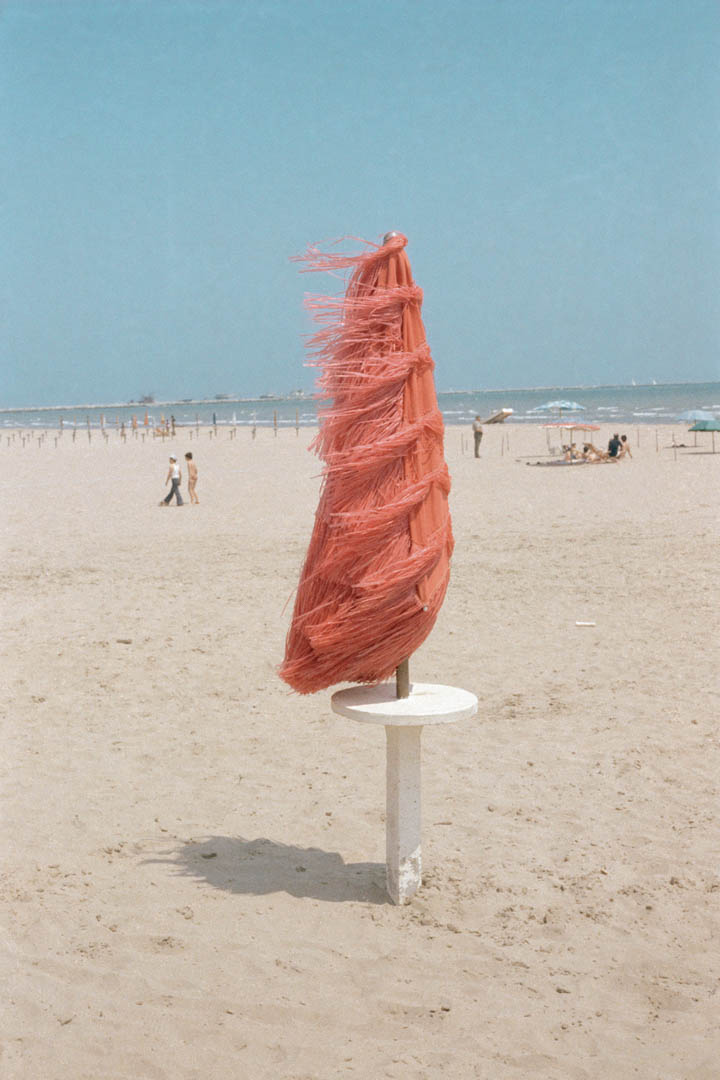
{"type": "Point", "coordinates": [708, 425]}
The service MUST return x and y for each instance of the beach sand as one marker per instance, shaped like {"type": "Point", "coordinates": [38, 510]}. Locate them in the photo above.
{"type": "Point", "coordinates": [194, 856]}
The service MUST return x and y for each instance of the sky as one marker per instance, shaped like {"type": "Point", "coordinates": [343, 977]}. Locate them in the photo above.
{"type": "Point", "coordinates": [554, 165]}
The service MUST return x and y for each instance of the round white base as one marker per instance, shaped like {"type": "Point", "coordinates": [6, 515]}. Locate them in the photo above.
{"type": "Point", "coordinates": [404, 719]}
{"type": "Point", "coordinates": [427, 703]}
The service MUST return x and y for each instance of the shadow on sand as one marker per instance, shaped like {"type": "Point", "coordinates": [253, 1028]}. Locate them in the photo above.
{"type": "Point", "coordinates": [260, 866]}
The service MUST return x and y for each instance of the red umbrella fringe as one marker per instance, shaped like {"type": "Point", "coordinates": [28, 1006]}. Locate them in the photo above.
{"type": "Point", "coordinates": [363, 602]}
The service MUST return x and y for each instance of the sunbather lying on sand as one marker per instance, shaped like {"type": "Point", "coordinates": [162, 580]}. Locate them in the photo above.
{"type": "Point", "coordinates": [593, 455]}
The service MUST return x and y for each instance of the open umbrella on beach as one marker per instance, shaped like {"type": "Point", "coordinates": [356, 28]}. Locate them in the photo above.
{"type": "Point", "coordinates": [559, 406]}
{"type": "Point", "coordinates": [570, 426]}
{"type": "Point", "coordinates": [695, 415]}
{"type": "Point", "coordinates": [707, 425]}
{"type": "Point", "coordinates": [378, 563]}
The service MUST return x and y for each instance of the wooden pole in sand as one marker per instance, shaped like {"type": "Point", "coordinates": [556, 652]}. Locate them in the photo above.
{"type": "Point", "coordinates": [402, 678]}
{"type": "Point", "coordinates": [297, 423]}
{"type": "Point", "coordinates": [275, 423]}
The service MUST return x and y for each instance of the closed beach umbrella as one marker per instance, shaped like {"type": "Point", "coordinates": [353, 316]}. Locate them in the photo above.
{"type": "Point", "coordinates": [377, 566]}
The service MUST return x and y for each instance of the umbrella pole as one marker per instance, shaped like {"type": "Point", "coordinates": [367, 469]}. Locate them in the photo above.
{"type": "Point", "coordinates": [402, 678]}
{"type": "Point", "coordinates": [403, 799]}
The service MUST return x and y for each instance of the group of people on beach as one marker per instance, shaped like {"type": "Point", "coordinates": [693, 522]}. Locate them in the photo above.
{"type": "Point", "coordinates": [618, 447]}
{"type": "Point", "coordinates": [174, 478]}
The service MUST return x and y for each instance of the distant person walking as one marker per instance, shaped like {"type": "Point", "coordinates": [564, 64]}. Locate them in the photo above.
{"type": "Point", "coordinates": [173, 477]}
{"type": "Point", "coordinates": [477, 435]}
{"type": "Point", "coordinates": [192, 477]}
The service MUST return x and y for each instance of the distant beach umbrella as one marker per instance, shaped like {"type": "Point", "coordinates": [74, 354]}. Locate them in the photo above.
{"type": "Point", "coordinates": [559, 406]}
{"type": "Point", "coordinates": [712, 426]}
{"type": "Point", "coordinates": [570, 426]}
{"type": "Point", "coordinates": [692, 415]}
{"type": "Point", "coordinates": [377, 567]}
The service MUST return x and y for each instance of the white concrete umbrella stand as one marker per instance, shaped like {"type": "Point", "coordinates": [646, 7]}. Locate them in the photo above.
{"type": "Point", "coordinates": [404, 719]}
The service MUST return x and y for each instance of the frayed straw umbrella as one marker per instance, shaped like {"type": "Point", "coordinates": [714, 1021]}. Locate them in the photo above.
{"type": "Point", "coordinates": [378, 563]}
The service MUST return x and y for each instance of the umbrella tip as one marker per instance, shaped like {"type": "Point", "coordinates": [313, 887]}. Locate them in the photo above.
{"type": "Point", "coordinates": [391, 236]}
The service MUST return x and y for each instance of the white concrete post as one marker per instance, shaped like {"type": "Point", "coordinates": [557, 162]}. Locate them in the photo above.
{"type": "Point", "coordinates": [404, 719]}
{"type": "Point", "coordinates": [403, 854]}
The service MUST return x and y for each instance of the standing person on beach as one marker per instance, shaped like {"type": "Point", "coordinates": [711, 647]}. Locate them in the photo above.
{"type": "Point", "coordinates": [477, 435]}
{"type": "Point", "coordinates": [192, 477]}
{"type": "Point", "coordinates": [174, 476]}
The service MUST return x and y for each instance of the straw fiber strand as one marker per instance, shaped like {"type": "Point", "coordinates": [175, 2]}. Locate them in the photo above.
{"type": "Point", "coordinates": [377, 567]}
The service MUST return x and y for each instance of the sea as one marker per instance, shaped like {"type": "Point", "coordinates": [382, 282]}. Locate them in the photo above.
{"type": "Point", "coordinates": [616, 405]}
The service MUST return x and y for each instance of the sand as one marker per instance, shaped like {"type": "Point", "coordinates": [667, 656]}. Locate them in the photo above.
{"type": "Point", "coordinates": [193, 855]}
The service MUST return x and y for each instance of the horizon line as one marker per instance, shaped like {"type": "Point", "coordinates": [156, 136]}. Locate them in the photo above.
{"type": "Point", "coordinates": [312, 396]}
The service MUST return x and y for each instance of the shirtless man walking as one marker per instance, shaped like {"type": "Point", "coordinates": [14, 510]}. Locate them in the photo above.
{"type": "Point", "coordinates": [192, 477]}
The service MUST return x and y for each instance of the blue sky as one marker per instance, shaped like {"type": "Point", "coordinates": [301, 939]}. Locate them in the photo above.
{"type": "Point", "coordinates": [554, 165]}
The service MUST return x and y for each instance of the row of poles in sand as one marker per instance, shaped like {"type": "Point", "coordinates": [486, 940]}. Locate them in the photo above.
{"type": "Point", "coordinates": [136, 432]}
{"type": "Point", "coordinates": [164, 433]}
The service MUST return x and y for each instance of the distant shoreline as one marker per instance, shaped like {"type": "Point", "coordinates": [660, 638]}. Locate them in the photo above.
{"type": "Point", "coordinates": [311, 397]}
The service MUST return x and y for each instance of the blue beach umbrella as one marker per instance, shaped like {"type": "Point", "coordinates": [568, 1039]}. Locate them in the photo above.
{"type": "Point", "coordinates": [696, 414]}
{"type": "Point", "coordinates": [561, 406]}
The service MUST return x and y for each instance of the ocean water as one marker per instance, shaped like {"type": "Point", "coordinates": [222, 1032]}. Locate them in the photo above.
{"type": "Point", "coordinates": [622, 405]}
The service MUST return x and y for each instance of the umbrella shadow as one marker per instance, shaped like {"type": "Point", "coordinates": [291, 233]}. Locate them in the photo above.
{"type": "Point", "coordinates": [261, 866]}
